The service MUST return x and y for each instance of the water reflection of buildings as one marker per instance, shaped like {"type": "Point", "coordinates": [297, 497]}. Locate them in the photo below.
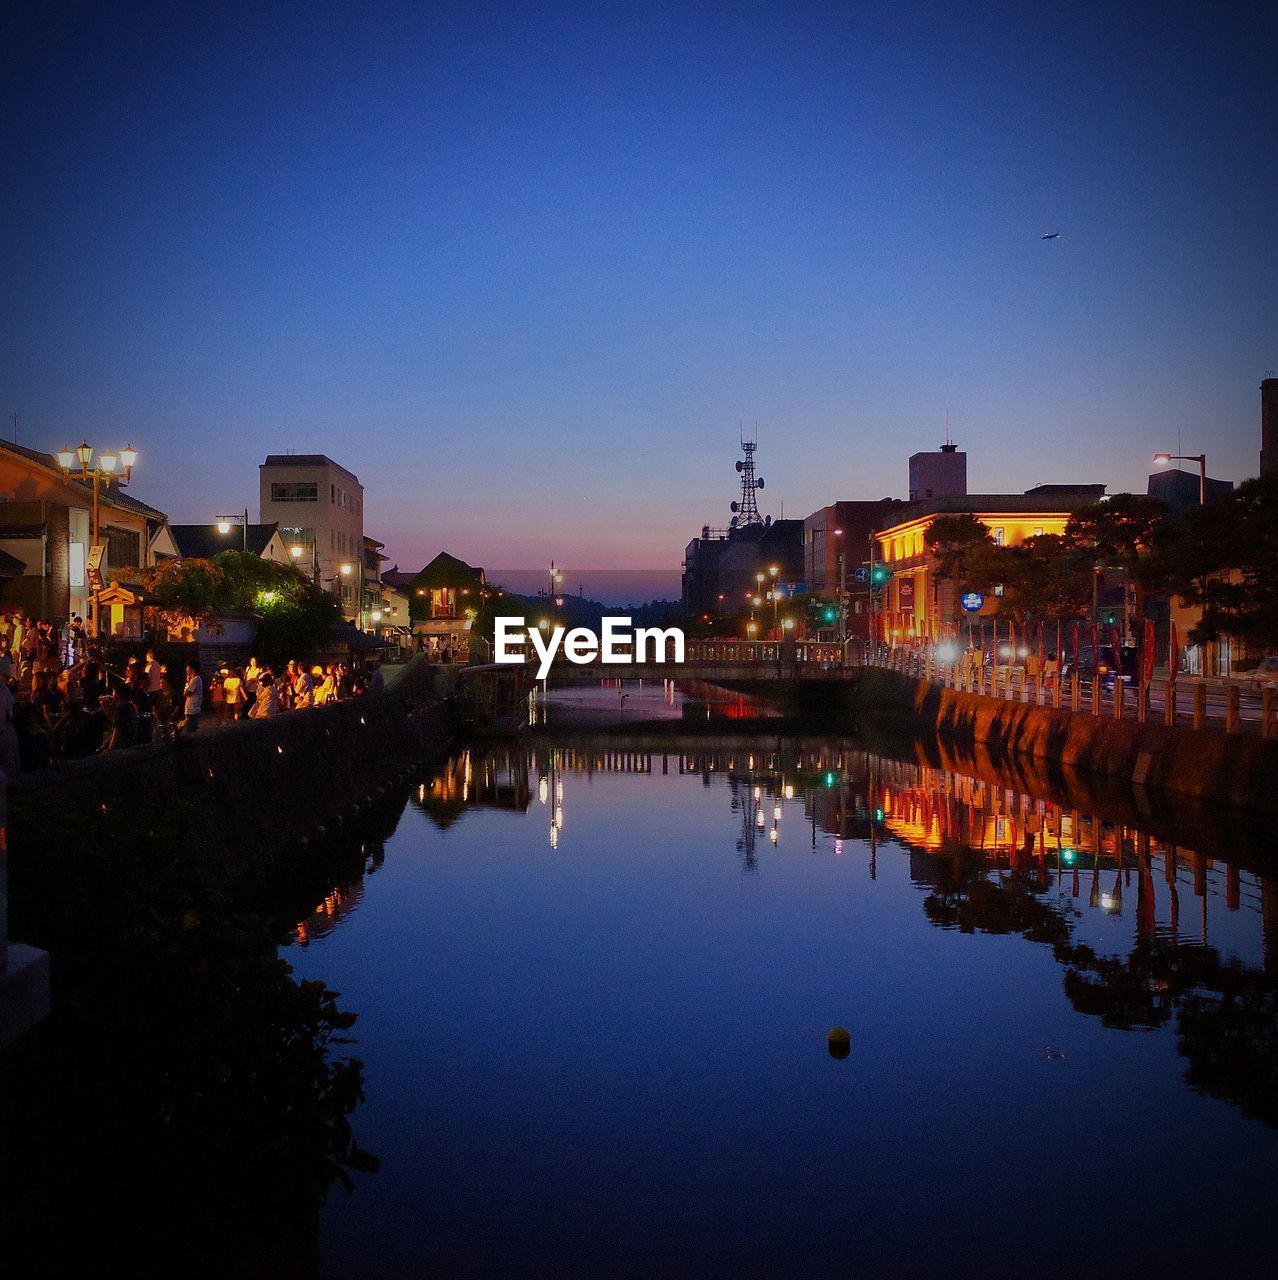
{"type": "Point", "coordinates": [1109, 865]}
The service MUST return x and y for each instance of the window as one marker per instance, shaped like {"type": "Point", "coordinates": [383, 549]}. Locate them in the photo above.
{"type": "Point", "coordinates": [294, 491]}
{"type": "Point", "coordinates": [332, 493]}
{"type": "Point", "coordinates": [332, 539]}
{"type": "Point", "coordinates": [124, 549]}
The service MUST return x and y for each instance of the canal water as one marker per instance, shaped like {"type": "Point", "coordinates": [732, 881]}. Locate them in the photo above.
{"type": "Point", "coordinates": [596, 973]}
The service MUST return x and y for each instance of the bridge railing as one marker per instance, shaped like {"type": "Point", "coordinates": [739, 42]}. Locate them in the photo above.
{"type": "Point", "coordinates": [751, 652]}
{"type": "Point", "coordinates": [1185, 702]}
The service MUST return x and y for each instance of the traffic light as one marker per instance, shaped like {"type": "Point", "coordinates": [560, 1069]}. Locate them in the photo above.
{"type": "Point", "coordinates": [879, 575]}
{"type": "Point", "coordinates": [830, 614]}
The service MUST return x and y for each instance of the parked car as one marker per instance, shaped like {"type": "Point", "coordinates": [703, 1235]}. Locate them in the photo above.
{"type": "Point", "coordinates": [1265, 674]}
{"type": "Point", "coordinates": [1110, 666]}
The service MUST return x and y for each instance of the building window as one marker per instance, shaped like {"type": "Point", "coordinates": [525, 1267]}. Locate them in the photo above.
{"type": "Point", "coordinates": [332, 493]}
{"type": "Point", "coordinates": [124, 549]}
{"type": "Point", "coordinates": [294, 491]}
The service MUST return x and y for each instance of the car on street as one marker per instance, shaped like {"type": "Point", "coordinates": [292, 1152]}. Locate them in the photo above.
{"type": "Point", "coordinates": [1106, 663]}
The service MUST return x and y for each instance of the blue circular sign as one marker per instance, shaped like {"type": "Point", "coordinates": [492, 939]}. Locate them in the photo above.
{"type": "Point", "coordinates": [972, 601]}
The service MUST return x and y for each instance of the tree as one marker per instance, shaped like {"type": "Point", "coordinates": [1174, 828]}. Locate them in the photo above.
{"type": "Point", "coordinates": [962, 547]}
{"type": "Point", "coordinates": [1130, 533]}
{"type": "Point", "coordinates": [295, 616]}
{"type": "Point", "coordinates": [1226, 561]}
{"type": "Point", "coordinates": [1043, 577]}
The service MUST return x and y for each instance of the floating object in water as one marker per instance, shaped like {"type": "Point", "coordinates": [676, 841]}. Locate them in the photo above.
{"type": "Point", "coordinates": [840, 1042]}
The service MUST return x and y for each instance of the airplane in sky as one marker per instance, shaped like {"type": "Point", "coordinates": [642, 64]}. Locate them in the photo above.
{"type": "Point", "coordinates": [1052, 235]}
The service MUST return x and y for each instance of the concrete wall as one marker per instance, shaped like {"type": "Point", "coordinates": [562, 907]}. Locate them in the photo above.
{"type": "Point", "coordinates": [1208, 764]}
{"type": "Point", "coordinates": [256, 786]}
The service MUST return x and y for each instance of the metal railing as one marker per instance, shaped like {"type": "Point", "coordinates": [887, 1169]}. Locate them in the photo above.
{"type": "Point", "coordinates": [1187, 702]}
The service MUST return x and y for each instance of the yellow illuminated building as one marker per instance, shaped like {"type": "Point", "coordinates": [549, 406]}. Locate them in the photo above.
{"type": "Point", "coordinates": [917, 603]}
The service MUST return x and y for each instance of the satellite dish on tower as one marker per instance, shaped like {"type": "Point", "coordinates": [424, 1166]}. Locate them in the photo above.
{"type": "Point", "coordinates": [738, 464]}
{"type": "Point", "coordinates": [732, 506]}
{"type": "Point", "coordinates": [767, 520]}
{"type": "Point", "coordinates": [732, 524]}
{"type": "Point", "coordinates": [759, 482]}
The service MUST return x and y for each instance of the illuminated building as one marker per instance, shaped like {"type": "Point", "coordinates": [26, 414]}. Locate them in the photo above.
{"type": "Point", "coordinates": [917, 603]}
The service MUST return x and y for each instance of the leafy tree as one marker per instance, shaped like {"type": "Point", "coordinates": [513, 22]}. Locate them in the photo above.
{"type": "Point", "coordinates": [295, 615]}
{"type": "Point", "coordinates": [1043, 577]}
{"type": "Point", "coordinates": [1130, 533]}
{"type": "Point", "coordinates": [963, 548]}
{"type": "Point", "coordinates": [1226, 561]}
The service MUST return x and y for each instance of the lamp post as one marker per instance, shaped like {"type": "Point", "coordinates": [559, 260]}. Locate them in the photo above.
{"type": "Point", "coordinates": [552, 595]}
{"type": "Point", "coordinates": [224, 524]}
{"type": "Point", "coordinates": [105, 471]}
{"type": "Point", "coordinates": [843, 594]}
{"type": "Point", "coordinates": [1162, 459]}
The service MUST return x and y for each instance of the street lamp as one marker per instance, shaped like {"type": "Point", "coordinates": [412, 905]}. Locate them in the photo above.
{"type": "Point", "coordinates": [224, 524]}
{"type": "Point", "coordinates": [1162, 459]}
{"type": "Point", "coordinates": [68, 459]}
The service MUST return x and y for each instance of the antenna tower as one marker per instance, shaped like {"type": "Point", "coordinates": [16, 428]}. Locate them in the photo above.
{"type": "Point", "coordinates": [745, 510]}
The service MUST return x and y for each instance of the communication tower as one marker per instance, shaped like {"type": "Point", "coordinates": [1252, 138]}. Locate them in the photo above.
{"type": "Point", "coordinates": [745, 510]}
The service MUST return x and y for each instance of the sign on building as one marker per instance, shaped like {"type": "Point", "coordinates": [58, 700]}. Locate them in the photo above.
{"type": "Point", "coordinates": [94, 565]}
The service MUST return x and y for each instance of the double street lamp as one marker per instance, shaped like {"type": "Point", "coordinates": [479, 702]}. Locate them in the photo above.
{"type": "Point", "coordinates": [111, 466]}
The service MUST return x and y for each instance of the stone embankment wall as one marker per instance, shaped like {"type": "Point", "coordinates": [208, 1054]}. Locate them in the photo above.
{"type": "Point", "coordinates": [1208, 764]}
{"type": "Point", "coordinates": [256, 786]}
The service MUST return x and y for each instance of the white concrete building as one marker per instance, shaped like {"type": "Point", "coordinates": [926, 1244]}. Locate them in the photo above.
{"type": "Point", "coordinates": [319, 507]}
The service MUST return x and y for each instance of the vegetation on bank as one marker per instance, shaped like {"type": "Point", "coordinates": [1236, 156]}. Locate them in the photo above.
{"type": "Point", "coordinates": [295, 616]}
{"type": "Point", "coordinates": [1222, 556]}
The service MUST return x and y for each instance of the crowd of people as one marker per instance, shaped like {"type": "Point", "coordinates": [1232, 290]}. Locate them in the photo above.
{"type": "Point", "coordinates": [61, 700]}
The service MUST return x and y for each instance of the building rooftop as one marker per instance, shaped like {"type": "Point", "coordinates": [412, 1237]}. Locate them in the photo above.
{"type": "Point", "coordinates": [204, 541]}
{"type": "Point", "coordinates": [111, 495]}
{"type": "Point", "coordinates": [1042, 500]}
{"type": "Point", "coordinates": [305, 460]}
{"type": "Point", "coordinates": [447, 571]}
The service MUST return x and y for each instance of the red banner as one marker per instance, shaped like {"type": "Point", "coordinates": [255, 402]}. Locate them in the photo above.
{"type": "Point", "coordinates": [1147, 651]}
{"type": "Point", "coordinates": [1173, 655]}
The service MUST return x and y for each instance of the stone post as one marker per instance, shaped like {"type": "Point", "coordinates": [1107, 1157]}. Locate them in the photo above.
{"type": "Point", "coordinates": [1233, 708]}
{"type": "Point", "coordinates": [1096, 695]}
{"type": "Point", "coordinates": [1169, 704]}
{"type": "Point", "coordinates": [24, 971]}
{"type": "Point", "coordinates": [1267, 711]}
{"type": "Point", "coordinates": [1200, 705]}
{"type": "Point", "coordinates": [1120, 696]}
{"type": "Point", "coordinates": [1075, 693]}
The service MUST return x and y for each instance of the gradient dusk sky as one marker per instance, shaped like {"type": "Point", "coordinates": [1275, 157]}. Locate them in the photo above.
{"type": "Point", "coordinates": [525, 267]}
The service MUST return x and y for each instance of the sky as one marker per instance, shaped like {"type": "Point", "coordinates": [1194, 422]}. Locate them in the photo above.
{"type": "Point", "coordinates": [527, 268]}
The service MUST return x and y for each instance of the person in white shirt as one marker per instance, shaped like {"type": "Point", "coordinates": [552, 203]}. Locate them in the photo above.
{"type": "Point", "coordinates": [303, 687]}
{"type": "Point", "coordinates": [267, 702]}
{"type": "Point", "coordinates": [193, 699]}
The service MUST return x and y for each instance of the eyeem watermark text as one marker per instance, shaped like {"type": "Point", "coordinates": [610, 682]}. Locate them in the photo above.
{"type": "Point", "coordinates": [618, 642]}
